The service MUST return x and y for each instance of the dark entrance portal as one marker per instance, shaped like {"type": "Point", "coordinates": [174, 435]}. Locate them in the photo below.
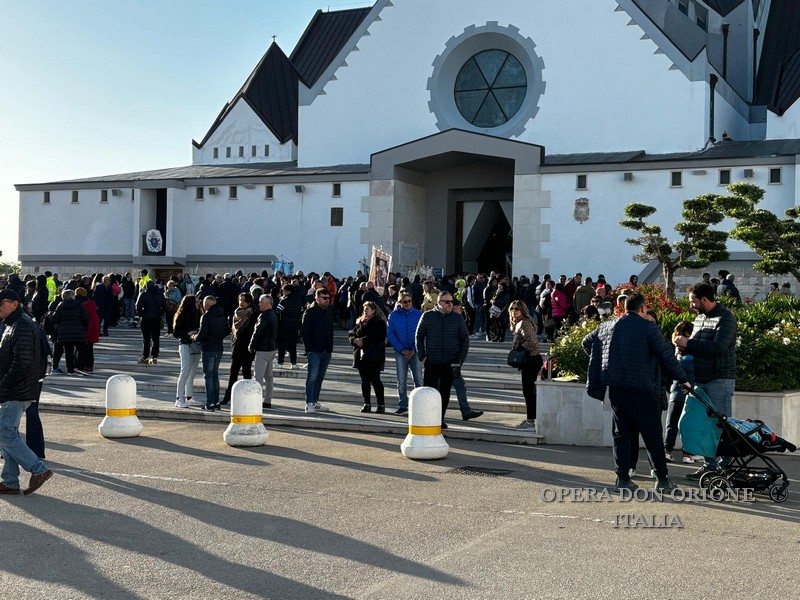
{"type": "Point", "coordinates": [497, 249]}
{"type": "Point", "coordinates": [483, 236]}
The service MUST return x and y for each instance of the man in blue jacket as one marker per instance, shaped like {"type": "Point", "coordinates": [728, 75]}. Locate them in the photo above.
{"type": "Point", "coordinates": [401, 330]}
{"type": "Point", "coordinates": [633, 352]}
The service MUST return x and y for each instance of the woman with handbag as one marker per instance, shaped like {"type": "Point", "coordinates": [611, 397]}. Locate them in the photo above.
{"type": "Point", "coordinates": [369, 353]}
{"type": "Point", "coordinates": [496, 331]}
{"type": "Point", "coordinates": [187, 322]}
{"type": "Point", "coordinates": [527, 359]}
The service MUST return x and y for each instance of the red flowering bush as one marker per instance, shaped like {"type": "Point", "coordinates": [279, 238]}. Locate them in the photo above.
{"type": "Point", "coordinates": [657, 298]}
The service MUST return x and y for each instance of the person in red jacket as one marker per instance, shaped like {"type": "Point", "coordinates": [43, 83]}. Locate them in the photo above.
{"type": "Point", "coordinates": [86, 361]}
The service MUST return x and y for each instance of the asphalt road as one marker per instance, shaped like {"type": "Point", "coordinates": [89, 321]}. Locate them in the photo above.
{"type": "Point", "coordinates": [176, 513]}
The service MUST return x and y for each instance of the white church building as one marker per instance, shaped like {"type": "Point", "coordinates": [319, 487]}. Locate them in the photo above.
{"type": "Point", "coordinates": [461, 134]}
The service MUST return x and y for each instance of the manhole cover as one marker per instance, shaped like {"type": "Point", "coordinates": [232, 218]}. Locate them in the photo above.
{"type": "Point", "coordinates": [480, 471]}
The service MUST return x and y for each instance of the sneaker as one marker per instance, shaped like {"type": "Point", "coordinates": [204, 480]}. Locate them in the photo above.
{"type": "Point", "coordinates": [289, 367]}
{"type": "Point", "coordinates": [310, 408]}
{"type": "Point", "coordinates": [320, 408]}
{"type": "Point", "coordinates": [668, 456]}
{"type": "Point", "coordinates": [36, 481]}
{"type": "Point", "coordinates": [193, 402]}
{"type": "Point", "coordinates": [665, 485]}
{"type": "Point", "coordinates": [181, 403]}
{"type": "Point", "coordinates": [275, 363]}
{"type": "Point", "coordinates": [631, 472]}
{"type": "Point", "coordinates": [527, 425]}
{"type": "Point", "coordinates": [401, 410]}
{"type": "Point", "coordinates": [81, 372]}
{"type": "Point", "coordinates": [57, 371]}
{"type": "Point", "coordinates": [687, 459]}
{"type": "Point", "coordinates": [473, 414]}
{"type": "Point", "coordinates": [621, 484]}
{"type": "Point", "coordinates": [700, 472]}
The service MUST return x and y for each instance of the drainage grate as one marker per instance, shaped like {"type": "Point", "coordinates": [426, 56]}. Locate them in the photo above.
{"type": "Point", "coordinates": [480, 471]}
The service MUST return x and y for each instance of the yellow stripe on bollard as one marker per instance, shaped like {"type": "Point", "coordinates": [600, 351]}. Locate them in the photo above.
{"type": "Point", "coordinates": [121, 412]}
{"type": "Point", "coordinates": [237, 420]}
{"type": "Point", "coordinates": [436, 430]}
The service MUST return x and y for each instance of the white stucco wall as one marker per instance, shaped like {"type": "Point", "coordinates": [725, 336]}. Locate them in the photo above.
{"type": "Point", "coordinates": [785, 126]}
{"type": "Point", "coordinates": [242, 128]}
{"type": "Point", "coordinates": [605, 89]}
{"type": "Point", "coordinates": [88, 228]}
{"type": "Point", "coordinates": [598, 246]}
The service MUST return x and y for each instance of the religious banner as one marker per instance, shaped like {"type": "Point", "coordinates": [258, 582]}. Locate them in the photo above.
{"type": "Point", "coordinates": [379, 265]}
{"type": "Point", "coordinates": [155, 242]}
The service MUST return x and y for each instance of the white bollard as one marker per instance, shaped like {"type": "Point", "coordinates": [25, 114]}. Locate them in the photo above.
{"type": "Point", "coordinates": [424, 440]}
{"type": "Point", "coordinates": [246, 428]}
{"type": "Point", "coordinates": [120, 420]}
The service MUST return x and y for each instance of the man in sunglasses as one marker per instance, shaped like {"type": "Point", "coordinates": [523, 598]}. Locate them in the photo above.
{"type": "Point", "coordinates": [442, 345]}
{"type": "Point", "coordinates": [401, 329]}
{"type": "Point", "coordinates": [317, 333]}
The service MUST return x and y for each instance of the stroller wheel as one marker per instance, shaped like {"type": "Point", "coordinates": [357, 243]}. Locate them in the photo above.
{"type": "Point", "coordinates": [718, 487]}
{"type": "Point", "coordinates": [779, 492]}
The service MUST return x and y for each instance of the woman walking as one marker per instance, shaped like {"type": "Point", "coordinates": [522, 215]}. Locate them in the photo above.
{"type": "Point", "coordinates": [525, 337]}
{"type": "Point", "coordinates": [244, 322]}
{"type": "Point", "coordinates": [187, 322]}
{"type": "Point", "coordinates": [369, 353]}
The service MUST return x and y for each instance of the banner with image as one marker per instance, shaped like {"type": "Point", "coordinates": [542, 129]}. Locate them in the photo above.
{"type": "Point", "coordinates": [379, 266]}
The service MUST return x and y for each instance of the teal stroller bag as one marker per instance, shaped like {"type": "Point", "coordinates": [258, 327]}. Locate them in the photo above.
{"type": "Point", "coordinates": [699, 426]}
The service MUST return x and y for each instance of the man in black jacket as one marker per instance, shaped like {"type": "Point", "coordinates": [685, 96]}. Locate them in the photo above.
{"type": "Point", "coordinates": [264, 344]}
{"type": "Point", "coordinates": [213, 330]}
{"type": "Point", "coordinates": [20, 369]}
{"type": "Point", "coordinates": [150, 307]}
{"type": "Point", "coordinates": [442, 346]}
{"type": "Point", "coordinates": [318, 339]}
{"type": "Point", "coordinates": [633, 352]}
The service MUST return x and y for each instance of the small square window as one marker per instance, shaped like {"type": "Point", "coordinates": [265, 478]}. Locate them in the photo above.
{"type": "Point", "coordinates": [104, 196]}
{"type": "Point", "coordinates": [676, 179]}
{"type": "Point", "coordinates": [252, 151]}
{"type": "Point", "coordinates": [47, 197]}
{"type": "Point", "coordinates": [232, 192]}
{"type": "Point", "coordinates": [216, 152]}
{"type": "Point", "coordinates": [74, 196]}
{"type": "Point", "coordinates": [228, 152]}
{"type": "Point", "coordinates": [337, 216]}
{"type": "Point", "coordinates": [337, 190]}
{"type": "Point", "coordinates": [241, 151]}
{"type": "Point", "coordinates": [581, 182]}
{"type": "Point", "coordinates": [269, 194]}
{"type": "Point", "coordinates": [198, 194]}
{"type": "Point", "coordinates": [724, 176]}
{"type": "Point", "coordinates": [266, 150]}
{"type": "Point", "coordinates": [775, 175]}
{"type": "Point", "coordinates": [701, 17]}
{"type": "Point", "coordinates": [683, 6]}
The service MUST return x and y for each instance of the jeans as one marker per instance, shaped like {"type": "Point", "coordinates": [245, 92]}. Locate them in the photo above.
{"type": "Point", "coordinates": [263, 372]}
{"type": "Point", "coordinates": [189, 364]}
{"type": "Point", "coordinates": [317, 367]}
{"type": "Point", "coordinates": [480, 319]}
{"type": "Point", "coordinates": [128, 309]}
{"type": "Point", "coordinates": [15, 453]}
{"type": "Point", "coordinates": [461, 393]}
{"type": "Point", "coordinates": [211, 360]}
{"type": "Point", "coordinates": [402, 364]}
{"type": "Point", "coordinates": [720, 392]}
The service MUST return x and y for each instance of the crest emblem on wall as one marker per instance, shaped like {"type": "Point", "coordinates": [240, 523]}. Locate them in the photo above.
{"type": "Point", "coordinates": [581, 213]}
{"type": "Point", "coordinates": [154, 240]}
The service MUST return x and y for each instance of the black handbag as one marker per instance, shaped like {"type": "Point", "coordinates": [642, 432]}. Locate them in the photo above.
{"type": "Point", "coordinates": [372, 353]}
{"type": "Point", "coordinates": [518, 357]}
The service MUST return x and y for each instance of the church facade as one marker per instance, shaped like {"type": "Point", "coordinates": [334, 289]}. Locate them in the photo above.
{"type": "Point", "coordinates": [459, 134]}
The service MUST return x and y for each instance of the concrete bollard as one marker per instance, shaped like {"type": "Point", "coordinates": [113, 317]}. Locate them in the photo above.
{"type": "Point", "coordinates": [120, 420]}
{"type": "Point", "coordinates": [246, 428]}
{"type": "Point", "coordinates": [424, 440]}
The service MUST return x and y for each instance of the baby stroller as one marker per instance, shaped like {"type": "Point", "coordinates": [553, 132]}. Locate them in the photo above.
{"type": "Point", "coordinates": [707, 432]}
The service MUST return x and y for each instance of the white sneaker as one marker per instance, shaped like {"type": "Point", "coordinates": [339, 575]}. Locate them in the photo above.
{"type": "Point", "coordinates": [310, 408]}
{"type": "Point", "coordinates": [320, 408]}
{"type": "Point", "coordinates": [181, 404]}
{"type": "Point", "coordinates": [631, 472]}
{"type": "Point", "coordinates": [193, 402]}
{"type": "Point", "coordinates": [527, 426]}
{"type": "Point", "coordinates": [289, 367]}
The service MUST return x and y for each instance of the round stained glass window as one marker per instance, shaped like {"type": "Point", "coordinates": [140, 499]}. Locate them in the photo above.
{"type": "Point", "coordinates": [490, 88]}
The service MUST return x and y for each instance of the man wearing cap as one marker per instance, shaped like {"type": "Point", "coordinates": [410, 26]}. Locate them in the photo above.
{"type": "Point", "coordinates": [20, 365]}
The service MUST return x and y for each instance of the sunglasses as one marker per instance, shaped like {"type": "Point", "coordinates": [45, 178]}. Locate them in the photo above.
{"type": "Point", "coordinates": [446, 301]}
{"type": "Point", "coordinates": [405, 302]}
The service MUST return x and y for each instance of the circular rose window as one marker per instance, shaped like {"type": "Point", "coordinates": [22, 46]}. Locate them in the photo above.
{"type": "Point", "coordinates": [490, 88]}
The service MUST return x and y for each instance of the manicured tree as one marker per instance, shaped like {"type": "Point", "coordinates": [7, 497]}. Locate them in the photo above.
{"type": "Point", "coordinates": [698, 247]}
{"type": "Point", "coordinates": [775, 240]}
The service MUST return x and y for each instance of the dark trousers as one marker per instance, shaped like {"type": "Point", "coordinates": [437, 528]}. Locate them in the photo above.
{"type": "Point", "coordinates": [287, 340]}
{"type": "Point", "coordinates": [34, 434]}
{"type": "Point", "coordinates": [371, 378]}
{"type": "Point", "coordinates": [151, 327]}
{"type": "Point", "coordinates": [439, 376]}
{"type": "Point", "coordinates": [86, 358]}
{"type": "Point", "coordinates": [529, 374]}
{"type": "Point", "coordinates": [70, 351]}
{"type": "Point", "coordinates": [239, 361]}
{"type": "Point", "coordinates": [470, 318]}
{"type": "Point", "coordinates": [636, 411]}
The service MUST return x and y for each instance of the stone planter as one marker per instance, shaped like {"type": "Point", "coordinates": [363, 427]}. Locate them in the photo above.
{"type": "Point", "coordinates": [565, 414]}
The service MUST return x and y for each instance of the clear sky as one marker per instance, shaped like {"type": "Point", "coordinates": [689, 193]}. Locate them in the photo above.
{"type": "Point", "coordinates": [97, 87]}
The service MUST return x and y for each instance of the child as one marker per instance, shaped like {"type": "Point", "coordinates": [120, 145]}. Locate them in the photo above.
{"type": "Point", "coordinates": [676, 395]}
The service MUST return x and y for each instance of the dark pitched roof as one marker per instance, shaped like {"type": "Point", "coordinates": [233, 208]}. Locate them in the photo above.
{"type": "Point", "coordinates": [322, 40]}
{"type": "Point", "coordinates": [778, 74]}
{"type": "Point", "coordinates": [271, 91]}
{"type": "Point", "coordinates": [723, 7]}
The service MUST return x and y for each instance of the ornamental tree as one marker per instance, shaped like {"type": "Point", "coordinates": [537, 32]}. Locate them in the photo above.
{"type": "Point", "coordinates": [698, 246]}
{"type": "Point", "coordinates": [775, 240]}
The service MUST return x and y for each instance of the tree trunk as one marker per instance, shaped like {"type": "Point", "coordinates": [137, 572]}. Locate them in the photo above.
{"type": "Point", "coordinates": [668, 271]}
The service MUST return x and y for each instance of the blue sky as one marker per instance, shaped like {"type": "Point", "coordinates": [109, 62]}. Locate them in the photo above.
{"type": "Point", "coordinates": [96, 87]}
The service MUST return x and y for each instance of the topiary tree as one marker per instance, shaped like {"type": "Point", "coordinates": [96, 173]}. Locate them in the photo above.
{"type": "Point", "coordinates": [775, 240]}
{"type": "Point", "coordinates": [699, 246]}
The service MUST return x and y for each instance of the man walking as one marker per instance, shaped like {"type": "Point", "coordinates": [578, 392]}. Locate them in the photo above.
{"type": "Point", "coordinates": [20, 369]}
{"type": "Point", "coordinates": [317, 331]}
{"type": "Point", "coordinates": [150, 307]}
{"type": "Point", "coordinates": [442, 345]}
{"type": "Point", "coordinates": [213, 330]}
{"type": "Point", "coordinates": [713, 346]}
{"type": "Point", "coordinates": [264, 344]}
{"type": "Point", "coordinates": [632, 353]}
{"type": "Point", "coordinates": [401, 330]}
